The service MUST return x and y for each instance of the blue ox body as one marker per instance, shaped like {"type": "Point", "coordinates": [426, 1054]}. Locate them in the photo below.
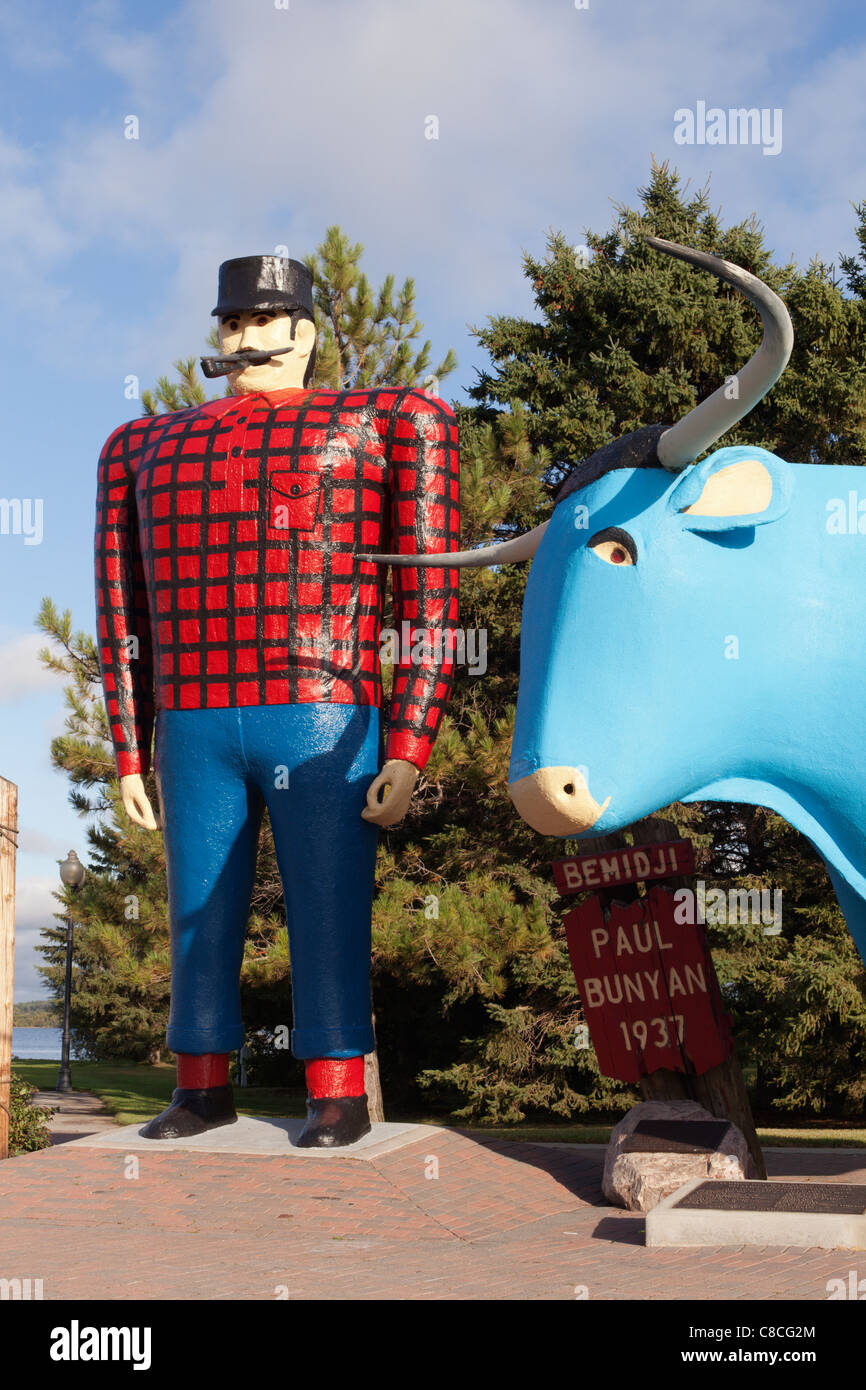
{"type": "Point", "coordinates": [727, 662]}
{"type": "Point", "coordinates": [695, 631]}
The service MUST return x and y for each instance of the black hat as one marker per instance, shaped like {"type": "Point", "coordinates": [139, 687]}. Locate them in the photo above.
{"type": "Point", "coordinates": [263, 282]}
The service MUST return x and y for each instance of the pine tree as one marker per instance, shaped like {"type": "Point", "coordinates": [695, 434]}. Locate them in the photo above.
{"type": "Point", "coordinates": [367, 340]}
{"type": "Point", "coordinates": [120, 999]}
{"type": "Point", "coordinates": [797, 985]}
{"type": "Point", "coordinates": [187, 391]}
{"type": "Point", "coordinates": [631, 337]}
{"type": "Point", "coordinates": [625, 339]}
{"type": "Point", "coordinates": [476, 1005]}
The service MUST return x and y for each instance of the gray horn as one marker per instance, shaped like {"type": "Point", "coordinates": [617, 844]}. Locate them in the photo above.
{"type": "Point", "coordinates": [504, 553]}
{"type": "Point", "coordinates": [681, 444]}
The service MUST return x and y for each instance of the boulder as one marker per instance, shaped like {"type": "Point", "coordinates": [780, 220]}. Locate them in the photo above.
{"type": "Point", "coordinates": [640, 1180]}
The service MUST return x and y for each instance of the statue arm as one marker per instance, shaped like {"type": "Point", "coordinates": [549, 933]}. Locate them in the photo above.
{"type": "Point", "coordinates": [425, 517]}
{"type": "Point", "coordinates": [136, 802]}
{"type": "Point", "coordinates": [390, 793]}
{"type": "Point", "coordinates": [123, 625]}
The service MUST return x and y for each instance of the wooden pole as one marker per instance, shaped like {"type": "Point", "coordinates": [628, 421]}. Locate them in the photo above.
{"type": "Point", "coordinates": [8, 843]}
{"type": "Point", "coordinates": [722, 1089]}
{"type": "Point", "coordinates": [372, 1084]}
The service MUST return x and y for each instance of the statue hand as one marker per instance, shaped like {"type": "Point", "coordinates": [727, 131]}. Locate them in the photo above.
{"type": "Point", "coordinates": [136, 803]}
{"type": "Point", "coordinates": [400, 776]}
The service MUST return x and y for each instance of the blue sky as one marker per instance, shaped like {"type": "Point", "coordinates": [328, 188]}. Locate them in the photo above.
{"type": "Point", "coordinates": [259, 126]}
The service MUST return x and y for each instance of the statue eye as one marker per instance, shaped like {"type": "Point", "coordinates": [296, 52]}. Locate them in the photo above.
{"type": "Point", "coordinates": [615, 546]}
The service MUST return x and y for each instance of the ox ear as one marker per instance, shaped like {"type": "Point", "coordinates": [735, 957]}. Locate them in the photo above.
{"type": "Point", "coordinates": [733, 488]}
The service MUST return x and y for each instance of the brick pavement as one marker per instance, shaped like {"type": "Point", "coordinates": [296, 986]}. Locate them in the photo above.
{"type": "Point", "coordinates": [501, 1220]}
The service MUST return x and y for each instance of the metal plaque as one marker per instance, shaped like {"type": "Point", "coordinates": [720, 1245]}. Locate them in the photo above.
{"type": "Point", "coordinates": [828, 1198]}
{"type": "Point", "coordinates": [676, 1137]}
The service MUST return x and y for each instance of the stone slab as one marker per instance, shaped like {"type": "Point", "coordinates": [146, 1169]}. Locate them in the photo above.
{"type": "Point", "coordinates": [261, 1135]}
{"type": "Point", "coordinates": [660, 1145]}
{"type": "Point", "coordinates": [824, 1216]}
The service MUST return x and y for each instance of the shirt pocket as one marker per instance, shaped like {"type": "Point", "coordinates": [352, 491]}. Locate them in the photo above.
{"type": "Point", "coordinates": [294, 501]}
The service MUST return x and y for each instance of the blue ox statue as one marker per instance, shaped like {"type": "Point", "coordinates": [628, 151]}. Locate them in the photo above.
{"type": "Point", "coordinates": [695, 631]}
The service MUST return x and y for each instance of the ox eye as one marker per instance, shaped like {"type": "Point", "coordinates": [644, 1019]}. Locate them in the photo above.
{"type": "Point", "coordinates": [615, 546]}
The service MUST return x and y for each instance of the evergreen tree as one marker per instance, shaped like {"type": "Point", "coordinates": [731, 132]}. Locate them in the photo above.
{"type": "Point", "coordinates": [367, 340]}
{"type": "Point", "coordinates": [794, 980]}
{"type": "Point", "coordinates": [631, 337]}
{"type": "Point", "coordinates": [476, 1005]}
{"type": "Point", "coordinates": [187, 391]}
{"type": "Point", "coordinates": [625, 339]}
{"type": "Point", "coordinates": [120, 980]}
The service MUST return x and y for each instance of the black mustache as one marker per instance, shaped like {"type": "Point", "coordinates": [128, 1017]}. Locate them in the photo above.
{"type": "Point", "coordinates": [230, 361]}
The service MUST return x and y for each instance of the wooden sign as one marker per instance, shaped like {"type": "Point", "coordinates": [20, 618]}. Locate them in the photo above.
{"type": "Point", "coordinates": [649, 990]}
{"type": "Point", "coordinates": [582, 871]}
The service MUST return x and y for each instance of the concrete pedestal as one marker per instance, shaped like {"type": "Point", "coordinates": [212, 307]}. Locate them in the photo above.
{"type": "Point", "coordinates": [811, 1214]}
{"type": "Point", "coordinates": [259, 1135]}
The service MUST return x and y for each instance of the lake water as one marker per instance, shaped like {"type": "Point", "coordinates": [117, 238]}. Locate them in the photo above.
{"type": "Point", "coordinates": [38, 1044]}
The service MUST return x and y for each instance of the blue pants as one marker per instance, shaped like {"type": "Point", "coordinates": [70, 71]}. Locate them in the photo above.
{"type": "Point", "coordinates": [311, 766]}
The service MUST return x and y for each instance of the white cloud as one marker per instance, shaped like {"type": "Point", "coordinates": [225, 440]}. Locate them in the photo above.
{"type": "Point", "coordinates": [32, 840]}
{"type": "Point", "coordinates": [21, 672]}
{"type": "Point", "coordinates": [34, 909]}
{"type": "Point", "coordinates": [31, 46]}
{"type": "Point", "coordinates": [34, 239]}
{"type": "Point", "coordinates": [262, 126]}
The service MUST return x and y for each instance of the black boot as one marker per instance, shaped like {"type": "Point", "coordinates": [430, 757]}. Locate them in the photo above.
{"type": "Point", "coordinates": [333, 1122]}
{"type": "Point", "coordinates": [192, 1112]}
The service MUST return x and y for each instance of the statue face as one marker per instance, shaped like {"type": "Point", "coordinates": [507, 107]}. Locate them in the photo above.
{"type": "Point", "coordinates": [261, 329]}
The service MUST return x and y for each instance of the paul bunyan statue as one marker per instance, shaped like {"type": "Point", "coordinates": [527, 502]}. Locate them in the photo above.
{"type": "Point", "coordinates": [239, 633]}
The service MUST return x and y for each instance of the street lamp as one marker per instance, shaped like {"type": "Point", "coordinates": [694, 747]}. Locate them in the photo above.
{"type": "Point", "coordinates": [71, 876]}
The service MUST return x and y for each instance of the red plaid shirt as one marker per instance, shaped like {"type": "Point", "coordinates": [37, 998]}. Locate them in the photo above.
{"type": "Point", "coordinates": [226, 558]}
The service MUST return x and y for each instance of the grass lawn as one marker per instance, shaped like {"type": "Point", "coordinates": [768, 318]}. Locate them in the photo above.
{"type": "Point", "coordinates": [134, 1091]}
{"type": "Point", "coordinates": [812, 1137]}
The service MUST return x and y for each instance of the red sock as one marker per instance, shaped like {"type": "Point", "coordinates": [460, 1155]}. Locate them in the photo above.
{"type": "Point", "coordinates": [334, 1076]}
{"type": "Point", "coordinates": [199, 1072]}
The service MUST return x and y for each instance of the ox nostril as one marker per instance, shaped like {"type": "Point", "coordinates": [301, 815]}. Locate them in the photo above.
{"type": "Point", "coordinates": [556, 800]}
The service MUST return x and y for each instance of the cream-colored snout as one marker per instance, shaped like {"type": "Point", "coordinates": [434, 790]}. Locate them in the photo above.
{"type": "Point", "coordinates": [556, 801]}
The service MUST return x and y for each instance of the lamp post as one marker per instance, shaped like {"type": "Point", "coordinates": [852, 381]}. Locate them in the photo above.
{"type": "Point", "coordinates": [71, 876]}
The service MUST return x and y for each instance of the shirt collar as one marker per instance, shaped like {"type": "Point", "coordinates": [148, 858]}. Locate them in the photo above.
{"type": "Point", "coordinates": [246, 400]}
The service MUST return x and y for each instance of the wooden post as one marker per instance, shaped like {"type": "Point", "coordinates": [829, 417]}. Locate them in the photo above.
{"type": "Point", "coordinates": [373, 1084]}
{"type": "Point", "coordinates": [8, 844]}
{"type": "Point", "coordinates": [721, 1090]}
